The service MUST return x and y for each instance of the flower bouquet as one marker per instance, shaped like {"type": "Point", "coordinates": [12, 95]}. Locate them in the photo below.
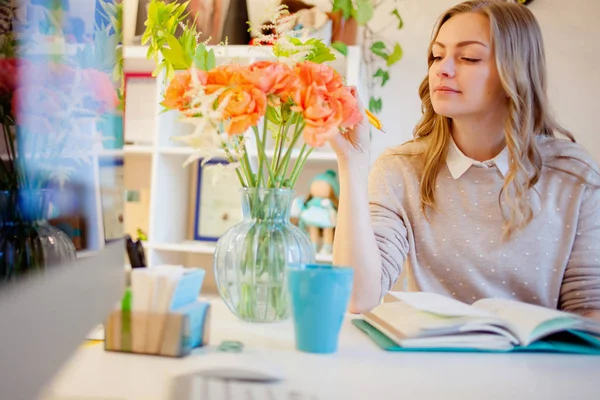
{"type": "Point", "coordinates": [294, 99]}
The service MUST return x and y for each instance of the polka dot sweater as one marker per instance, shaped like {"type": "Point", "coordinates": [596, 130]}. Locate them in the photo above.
{"type": "Point", "coordinates": [460, 252]}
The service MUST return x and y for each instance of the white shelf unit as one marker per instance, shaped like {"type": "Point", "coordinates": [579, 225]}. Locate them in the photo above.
{"type": "Point", "coordinates": [173, 187]}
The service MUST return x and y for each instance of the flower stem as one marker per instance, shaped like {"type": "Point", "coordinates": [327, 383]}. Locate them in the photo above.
{"type": "Point", "coordinates": [262, 157]}
{"type": "Point", "coordinates": [300, 164]}
{"type": "Point", "coordinates": [237, 170]}
{"type": "Point", "coordinates": [288, 153]}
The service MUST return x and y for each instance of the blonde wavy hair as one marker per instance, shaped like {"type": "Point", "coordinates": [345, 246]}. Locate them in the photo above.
{"type": "Point", "coordinates": [520, 59]}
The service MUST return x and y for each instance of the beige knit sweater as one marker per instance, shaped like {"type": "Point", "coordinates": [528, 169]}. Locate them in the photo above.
{"type": "Point", "coordinates": [459, 252]}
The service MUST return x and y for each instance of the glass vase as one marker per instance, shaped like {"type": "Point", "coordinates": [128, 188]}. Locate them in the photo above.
{"type": "Point", "coordinates": [251, 257]}
{"type": "Point", "coordinates": [28, 243]}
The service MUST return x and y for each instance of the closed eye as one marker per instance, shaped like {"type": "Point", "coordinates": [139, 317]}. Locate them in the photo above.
{"type": "Point", "coordinates": [472, 60]}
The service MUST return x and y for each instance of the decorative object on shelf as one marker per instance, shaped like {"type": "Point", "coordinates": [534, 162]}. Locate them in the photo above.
{"type": "Point", "coordinates": [137, 204]}
{"type": "Point", "coordinates": [112, 182]}
{"type": "Point", "coordinates": [306, 21]}
{"type": "Point", "coordinates": [379, 54]}
{"type": "Point", "coordinates": [319, 212]}
{"type": "Point", "coordinates": [216, 210]}
{"type": "Point", "coordinates": [28, 243]}
{"type": "Point", "coordinates": [139, 123]}
{"type": "Point", "coordinates": [234, 108]}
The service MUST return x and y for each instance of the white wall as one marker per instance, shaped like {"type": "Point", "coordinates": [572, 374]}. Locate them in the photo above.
{"type": "Point", "coordinates": [572, 37]}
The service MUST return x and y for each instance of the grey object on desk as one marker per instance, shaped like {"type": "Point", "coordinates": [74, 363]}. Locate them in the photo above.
{"type": "Point", "coordinates": [193, 387]}
{"type": "Point", "coordinates": [46, 317]}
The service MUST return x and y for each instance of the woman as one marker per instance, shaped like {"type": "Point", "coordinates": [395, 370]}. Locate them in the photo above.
{"type": "Point", "coordinates": [485, 201]}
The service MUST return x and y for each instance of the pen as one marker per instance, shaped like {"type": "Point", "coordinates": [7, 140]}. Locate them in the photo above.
{"type": "Point", "coordinates": [374, 121]}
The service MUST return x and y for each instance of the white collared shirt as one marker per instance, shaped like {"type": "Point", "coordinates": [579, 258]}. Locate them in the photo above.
{"type": "Point", "coordinates": [458, 163]}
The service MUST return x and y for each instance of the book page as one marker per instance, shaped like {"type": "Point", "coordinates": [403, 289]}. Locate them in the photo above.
{"type": "Point", "coordinates": [529, 322]}
{"type": "Point", "coordinates": [420, 314]}
{"type": "Point", "coordinates": [438, 304]}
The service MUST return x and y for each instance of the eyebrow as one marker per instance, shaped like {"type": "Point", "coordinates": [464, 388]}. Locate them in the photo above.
{"type": "Point", "coordinates": [461, 44]}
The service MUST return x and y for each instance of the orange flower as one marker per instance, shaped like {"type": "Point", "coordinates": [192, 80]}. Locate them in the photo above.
{"type": "Point", "coordinates": [224, 75]}
{"type": "Point", "coordinates": [322, 75]}
{"type": "Point", "coordinates": [351, 114]}
{"type": "Point", "coordinates": [246, 104]}
{"type": "Point", "coordinates": [273, 78]}
{"type": "Point", "coordinates": [322, 114]}
{"type": "Point", "coordinates": [177, 93]}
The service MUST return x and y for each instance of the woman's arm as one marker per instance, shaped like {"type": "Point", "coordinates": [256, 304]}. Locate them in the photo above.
{"type": "Point", "coordinates": [580, 290]}
{"type": "Point", "coordinates": [370, 236]}
{"type": "Point", "coordinates": [354, 243]}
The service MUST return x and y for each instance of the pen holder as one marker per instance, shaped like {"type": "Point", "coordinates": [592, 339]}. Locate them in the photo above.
{"type": "Point", "coordinates": [172, 334]}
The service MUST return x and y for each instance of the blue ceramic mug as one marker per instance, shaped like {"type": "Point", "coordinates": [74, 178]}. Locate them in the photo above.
{"type": "Point", "coordinates": [319, 295]}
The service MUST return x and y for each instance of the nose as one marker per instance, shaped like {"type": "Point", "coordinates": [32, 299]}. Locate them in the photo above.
{"type": "Point", "coordinates": [446, 68]}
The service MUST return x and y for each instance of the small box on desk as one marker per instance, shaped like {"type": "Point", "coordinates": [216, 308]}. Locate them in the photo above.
{"type": "Point", "coordinates": [172, 334]}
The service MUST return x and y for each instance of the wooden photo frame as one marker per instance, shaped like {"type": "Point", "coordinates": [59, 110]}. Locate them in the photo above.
{"type": "Point", "coordinates": [218, 207]}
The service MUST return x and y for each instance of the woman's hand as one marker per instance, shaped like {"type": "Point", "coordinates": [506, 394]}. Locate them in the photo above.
{"type": "Point", "coordinates": [355, 143]}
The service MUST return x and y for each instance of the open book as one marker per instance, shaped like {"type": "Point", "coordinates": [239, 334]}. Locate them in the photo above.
{"type": "Point", "coordinates": [427, 321]}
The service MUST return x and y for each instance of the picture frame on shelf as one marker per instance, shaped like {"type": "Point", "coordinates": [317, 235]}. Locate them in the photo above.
{"type": "Point", "coordinates": [112, 188]}
{"type": "Point", "coordinates": [218, 205]}
{"type": "Point", "coordinates": [139, 115]}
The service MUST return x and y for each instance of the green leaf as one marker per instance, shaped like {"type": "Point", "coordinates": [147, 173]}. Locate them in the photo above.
{"type": "Point", "coordinates": [176, 55]}
{"type": "Point", "coordinates": [397, 15]}
{"type": "Point", "coordinates": [273, 115]}
{"type": "Point", "coordinates": [173, 59]}
{"type": "Point", "coordinates": [153, 11]}
{"type": "Point", "coordinates": [211, 60]}
{"type": "Point", "coordinates": [345, 6]}
{"type": "Point", "coordinates": [321, 58]}
{"type": "Point", "coordinates": [204, 59]}
{"type": "Point", "coordinates": [395, 56]}
{"type": "Point", "coordinates": [374, 105]}
{"type": "Point", "coordinates": [383, 74]}
{"type": "Point", "coordinates": [340, 47]}
{"type": "Point", "coordinates": [379, 49]}
{"type": "Point", "coordinates": [364, 11]}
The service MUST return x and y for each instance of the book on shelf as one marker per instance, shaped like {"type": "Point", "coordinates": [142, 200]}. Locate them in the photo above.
{"type": "Point", "coordinates": [419, 321]}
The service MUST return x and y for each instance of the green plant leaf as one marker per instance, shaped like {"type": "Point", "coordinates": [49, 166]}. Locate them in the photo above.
{"type": "Point", "coordinates": [345, 6]}
{"type": "Point", "coordinates": [341, 47]}
{"type": "Point", "coordinates": [177, 56]}
{"type": "Point", "coordinates": [383, 74]}
{"type": "Point", "coordinates": [395, 56]}
{"type": "Point", "coordinates": [273, 115]}
{"type": "Point", "coordinates": [374, 105]}
{"type": "Point", "coordinates": [397, 15]}
{"type": "Point", "coordinates": [379, 49]}
{"type": "Point", "coordinates": [211, 60]}
{"type": "Point", "coordinates": [364, 11]}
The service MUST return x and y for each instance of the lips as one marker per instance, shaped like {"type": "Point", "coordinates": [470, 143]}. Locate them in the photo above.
{"type": "Point", "coordinates": [445, 89]}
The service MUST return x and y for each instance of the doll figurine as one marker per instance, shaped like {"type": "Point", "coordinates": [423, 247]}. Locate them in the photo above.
{"type": "Point", "coordinates": [320, 210]}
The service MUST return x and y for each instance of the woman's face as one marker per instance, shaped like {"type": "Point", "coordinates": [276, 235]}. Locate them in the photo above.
{"type": "Point", "coordinates": [463, 79]}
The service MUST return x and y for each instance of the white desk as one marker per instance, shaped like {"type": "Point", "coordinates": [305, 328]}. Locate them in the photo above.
{"type": "Point", "coordinates": [360, 370]}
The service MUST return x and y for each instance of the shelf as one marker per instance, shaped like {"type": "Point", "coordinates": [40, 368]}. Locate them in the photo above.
{"type": "Point", "coordinates": [176, 151]}
{"type": "Point", "coordinates": [138, 149]}
{"type": "Point", "coordinates": [111, 153]}
{"type": "Point", "coordinates": [232, 51]}
{"type": "Point", "coordinates": [243, 51]}
{"type": "Point", "coordinates": [198, 247]}
{"type": "Point", "coordinates": [314, 156]}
